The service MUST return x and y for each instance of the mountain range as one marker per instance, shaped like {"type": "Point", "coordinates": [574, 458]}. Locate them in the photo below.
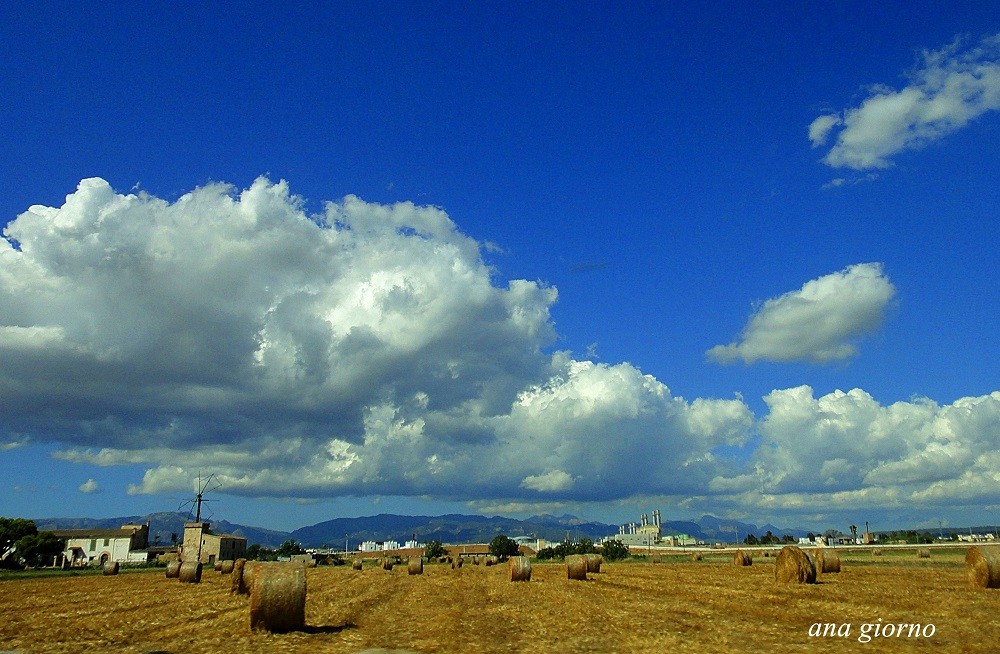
{"type": "Point", "coordinates": [167, 528]}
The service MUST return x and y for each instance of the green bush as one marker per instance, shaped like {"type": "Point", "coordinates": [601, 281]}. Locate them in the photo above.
{"type": "Point", "coordinates": [503, 547]}
{"type": "Point", "coordinates": [614, 550]}
{"type": "Point", "coordinates": [433, 549]}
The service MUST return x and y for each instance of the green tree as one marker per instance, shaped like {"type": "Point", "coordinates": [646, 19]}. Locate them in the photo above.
{"type": "Point", "coordinates": [38, 549]}
{"type": "Point", "coordinates": [288, 548]}
{"type": "Point", "coordinates": [787, 538]}
{"type": "Point", "coordinates": [434, 549]}
{"type": "Point", "coordinates": [503, 547]}
{"type": "Point", "coordinates": [545, 554]}
{"type": "Point", "coordinates": [257, 552]}
{"type": "Point", "coordinates": [768, 538]}
{"type": "Point", "coordinates": [585, 546]}
{"type": "Point", "coordinates": [750, 540]}
{"type": "Point", "coordinates": [614, 550]}
{"type": "Point", "coordinates": [13, 530]}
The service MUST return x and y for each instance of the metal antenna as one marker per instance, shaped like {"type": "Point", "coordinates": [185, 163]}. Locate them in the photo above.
{"type": "Point", "coordinates": [207, 485]}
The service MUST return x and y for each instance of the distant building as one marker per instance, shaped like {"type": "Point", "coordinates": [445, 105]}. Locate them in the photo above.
{"type": "Point", "coordinates": [84, 547]}
{"type": "Point", "coordinates": [200, 544]}
{"type": "Point", "coordinates": [645, 533]}
{"type": "Point", "coordinates": [531, 542]}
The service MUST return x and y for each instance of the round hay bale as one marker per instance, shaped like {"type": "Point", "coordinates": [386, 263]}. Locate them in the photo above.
{"type": "Point", "coordinates": [227, 567]}
{"type": "Point", "coordinates": [876, 551]}
{"type": "Point", "coordinates": [173, 569]}
{"type": "Point", "coordinates": [456, 563]}
{"type": "Point", "coordinates": [217, 566]}
{"type": "Point", "coordinates": [237, 579]}
{"type": "Point", "coordinates": [767, 554]}
{"type": "Point", "coordinates": [278, 598]}
{"type": "Point", "coordinates": [520, 568]}
{"type": "Point", "coordinates": [476, 560]}
{"type": "Point", "coordinates": [387, 564]}
{"type": "Point", "coordinates": [793, 566]}
{"type": "Point", "coordinates": [982, 564]}
{"type": "Point", "coordinates": [697, 556]}
{"type": "Point", "coordinates": [110, 569]}
{"type": "Point", "coordinates": [190, 572]}
{"type": "Point", "coordinates": [357, 564]}
{"type": "Point", "coordinates": [827, 561]}
{"type": "Point", "coordinates": [594, 562]}
{"type": "Point", "coordinates": [742, 559]}
{"type": "Point", "coordinates": [923, 553]}
{"type": "Point", "coordinates": [576, 567]}
{"type": "Point", "coordinates": [246, 581]}
{"type": "Point", "coordinates": [415, 566]}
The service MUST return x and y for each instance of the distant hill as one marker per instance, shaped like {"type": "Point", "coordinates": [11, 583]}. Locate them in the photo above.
{"type": "Point", "coordinates": [451, 528]}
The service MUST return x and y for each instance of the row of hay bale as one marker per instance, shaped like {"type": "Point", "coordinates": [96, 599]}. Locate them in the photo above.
{"type": "Point", "coordinates": [795, 566]}
{"type": "Point", "coordinates": [579, 565]}
{"type": "Point", "coordinates": [190, 571]}
{"type": "Point", "coordinates": [187, 572]}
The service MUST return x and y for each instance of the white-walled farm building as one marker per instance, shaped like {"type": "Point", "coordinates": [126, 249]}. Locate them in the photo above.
{"type": "Point", "coordinates": [130, 544]}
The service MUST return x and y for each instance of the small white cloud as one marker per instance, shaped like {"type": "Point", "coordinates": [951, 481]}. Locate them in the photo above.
{"type": "Point", "coordinates": [820, 128]}
{"type": "Point", "coordinates": [816, 323]}
{"type": "Point", "coordinates": [13, 445]}
{"type": "Point", "coordinates": [951, 87]}
{"type": "Point", "coordinates": [89, 486]}
{"type": "Point", "coordinates": [553, 480]}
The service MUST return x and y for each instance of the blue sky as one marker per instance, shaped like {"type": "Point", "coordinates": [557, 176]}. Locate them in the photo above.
{"type": "Point", "coordinates": [504, 258]}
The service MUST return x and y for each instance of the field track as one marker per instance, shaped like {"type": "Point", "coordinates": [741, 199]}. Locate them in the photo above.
{"type": "Point", "coordinates": [675, 606]}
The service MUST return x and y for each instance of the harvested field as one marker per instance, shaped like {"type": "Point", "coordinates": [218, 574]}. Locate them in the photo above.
{"type": "Point", "coordinates": [676, 606]}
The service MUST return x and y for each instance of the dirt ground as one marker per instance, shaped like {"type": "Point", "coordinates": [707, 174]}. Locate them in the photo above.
{"type": "Point", "coordinates": [677, 606]}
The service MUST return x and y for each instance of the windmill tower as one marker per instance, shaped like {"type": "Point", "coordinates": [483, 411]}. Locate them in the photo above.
{"type": "Point", "coordinates": [194, 532]}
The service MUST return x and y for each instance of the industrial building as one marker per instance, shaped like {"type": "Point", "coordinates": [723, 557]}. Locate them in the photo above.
{"type": "Point", "coordinates": [644, 533]}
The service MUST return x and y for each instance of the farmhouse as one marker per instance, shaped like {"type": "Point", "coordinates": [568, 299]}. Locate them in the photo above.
{"type": "Point", "coordinates": [130, 544]}
{"type": "Point", "coordinates": [201, 545]}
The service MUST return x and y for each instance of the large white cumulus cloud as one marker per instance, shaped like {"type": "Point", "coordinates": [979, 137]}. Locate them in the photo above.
{"type": "Point", "coordinates": [845, 450]}
{"type": "Point", "coordinates": [369, 350]}
{"type": "Point", "coordinates": [365, 350]}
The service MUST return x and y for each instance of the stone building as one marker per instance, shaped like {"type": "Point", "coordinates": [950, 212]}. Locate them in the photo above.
{"type": "Point", "coordinates": [200, 544]}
